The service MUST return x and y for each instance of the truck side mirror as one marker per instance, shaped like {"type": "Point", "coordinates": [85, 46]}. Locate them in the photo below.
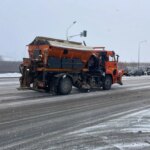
{"type": "Point", "coordinates": [117, 58]}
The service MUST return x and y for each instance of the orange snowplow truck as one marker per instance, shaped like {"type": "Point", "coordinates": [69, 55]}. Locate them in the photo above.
{"type": "Point", "coordinates": [56, 65]}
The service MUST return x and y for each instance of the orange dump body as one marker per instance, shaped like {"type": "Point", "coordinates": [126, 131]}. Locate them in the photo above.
{"type": "Point", "coordinates": [60, 49]}
{"type": "Point", "coordinates": [52, 51]}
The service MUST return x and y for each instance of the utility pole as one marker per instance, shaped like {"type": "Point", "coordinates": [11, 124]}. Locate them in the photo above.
{"type": "Point", "coordinates": [139, 51]}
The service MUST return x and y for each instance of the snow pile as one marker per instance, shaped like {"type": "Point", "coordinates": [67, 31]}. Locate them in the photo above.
{"type": "Point", "coordinates": [135, 77]}
{"type": "Point", "coordinates": [8, 75]}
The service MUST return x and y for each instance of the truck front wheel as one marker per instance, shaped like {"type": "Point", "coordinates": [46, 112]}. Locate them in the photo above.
{"type": "Point", "coordinates": [107, 83]}
{"type": "Point", "coordinates": [65, 86]}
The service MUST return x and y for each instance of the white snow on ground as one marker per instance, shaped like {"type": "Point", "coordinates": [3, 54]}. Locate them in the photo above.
{"type": "Point", "coordinates": [134, 146]}
{"type": "Point", "coordinates": [124, 77]}
{"type": "Point", "coordinates": [135, 77]}
{"type": "Point", "coordinates": [133, 123]}
{"type": "Point", "coordinates": [7, 75]}
{"type": "Point", "coordinates": [9, 83]}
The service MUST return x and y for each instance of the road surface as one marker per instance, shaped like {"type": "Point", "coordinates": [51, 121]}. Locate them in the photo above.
{"type": "Point", "coordinates": [118, 119]}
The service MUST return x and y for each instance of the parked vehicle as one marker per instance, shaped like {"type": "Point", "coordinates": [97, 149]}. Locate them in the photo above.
{"type": "Point", "coordinates": [127, 72]}
{"type": "Point", "coordinates": [148, 70]}
{"type": "Point", "coordinates": [56, 65]}
{"type": "Point", "coordinates": [136, 72]}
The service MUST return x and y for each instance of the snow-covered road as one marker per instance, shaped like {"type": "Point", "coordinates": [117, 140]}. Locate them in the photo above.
{"type": "Point", "coordinates": [100, 120]}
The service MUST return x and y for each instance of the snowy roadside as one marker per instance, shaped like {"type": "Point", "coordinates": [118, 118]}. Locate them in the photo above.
{"type": "Point", "coordinates": [135, 77]}
{"type": "Point", "coordinates": [15, 75]}
{"type": "Point", "coordinates": [10, 75]}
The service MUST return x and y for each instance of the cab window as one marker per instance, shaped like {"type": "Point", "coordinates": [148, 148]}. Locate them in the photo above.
{"type": "Point", "coordinates": [112, 58]}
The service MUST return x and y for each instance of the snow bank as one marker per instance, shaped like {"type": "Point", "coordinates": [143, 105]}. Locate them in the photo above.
{"type": "Point", "coordinates": [8, 75]}
{"type": "Point", "coordinates": [135, 77]}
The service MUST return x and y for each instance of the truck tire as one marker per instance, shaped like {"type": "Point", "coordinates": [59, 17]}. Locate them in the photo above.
{"type": "Point", "coordinates": [65, 86]}
{"type": "Point", "coordinates": [107, 83]}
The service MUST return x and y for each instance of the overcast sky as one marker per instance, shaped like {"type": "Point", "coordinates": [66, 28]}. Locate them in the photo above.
{"type": "Point", "coordinates": [118, 25]}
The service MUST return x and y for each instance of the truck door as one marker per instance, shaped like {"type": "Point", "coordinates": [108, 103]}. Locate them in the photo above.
{"type": "Point", "coordinates": [103, 59]}
{"type": "Point", "coordinates": [111, 65]}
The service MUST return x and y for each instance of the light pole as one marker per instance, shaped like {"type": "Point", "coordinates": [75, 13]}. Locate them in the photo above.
{"type": "Point", "coordinates": [69, 28]}
{"type": "Point", "coordinates": [139, 48]}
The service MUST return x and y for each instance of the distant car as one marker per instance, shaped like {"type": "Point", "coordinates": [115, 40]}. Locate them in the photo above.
{"type": "Point", "coordinates": [136, 72]}
{"type": "Point", "coordinates": [126, 72]}
{"type": "Point", "coordinates": [148, 71]}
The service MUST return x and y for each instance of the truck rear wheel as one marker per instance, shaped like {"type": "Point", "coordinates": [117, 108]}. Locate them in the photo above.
{"type": "Point", "coordinates": [107, 83]}
{"type": "Point", "coordinates": [65, 86]}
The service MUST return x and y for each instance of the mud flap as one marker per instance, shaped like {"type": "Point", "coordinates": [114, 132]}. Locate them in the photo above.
{"type": "Point", "coordinates": [119, 80]}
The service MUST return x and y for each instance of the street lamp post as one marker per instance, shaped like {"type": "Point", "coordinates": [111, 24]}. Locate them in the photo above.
{"type": "Point", "coordinates": [68, 29]}
{"type": "Point", "coordinates": [139, 48]}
